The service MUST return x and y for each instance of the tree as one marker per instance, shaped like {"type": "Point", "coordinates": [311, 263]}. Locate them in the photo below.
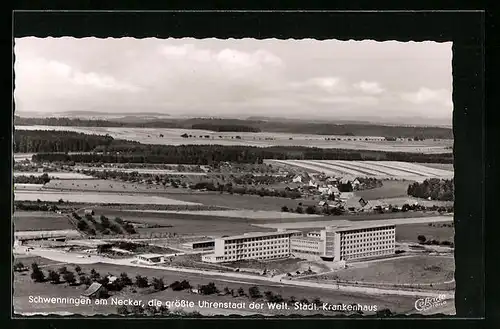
{"type": "Point", "coordinates": [125, 280]}
{"type": "Point", "coordinates": [85, 280]}
{"type": "Point", "coordinates": [241, 292]}
{"type": "Point", "coordinates": [62, 270]}
{"type": "Point", "coordinates": [158, 284]}
{"type": "Point", "coordinates": [284, 209]}
{"type": "Point", "coordinates": [94, 275]}
{"type": "Point", "coordinates": [316, 301]}
{"type": "Point", "coordinates": [54, 277]}
{"type": "Point", "coordinates": [208, 289]}
{"type": "Point", "coordinates": [69, 277]}
{"type": "Point", "coordinates": [421, 239]}
{"type": "Point", "coordinates": [299, 210]}
{"type": "Point", "coordinates": [141, 281]}
{"type": "Point", "coordinates": [37, 274]}
{"type": "Point", "coordinates": [310, 210]}
{"type": "Point", "coordinates": [226, 291]}
{"type": "Point", "coordinates": [254, 292]}
{"type": "Point", "coordinates": [304, 301]}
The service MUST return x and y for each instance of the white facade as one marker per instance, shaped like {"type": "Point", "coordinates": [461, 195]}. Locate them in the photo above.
{"type": "Point", "coordinates": [306, 245]}
{"type": "Point", "coordinates": [258, 245]}
{"type": "Point", "coordinates": [150, 259]}
{"type": "Point", "coordinates": [359, 242]}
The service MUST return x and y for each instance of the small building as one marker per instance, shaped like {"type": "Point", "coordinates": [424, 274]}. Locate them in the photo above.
{"type": "Point", "coordinates": [89, 212]}
{"type": "Point", "coordinates": [150, 259]}
{"type": "Point", "coordinates": [200, 245]}
{"type": "Point", "coordinates": [297, 179]}
{"type": "Point", "coordinates": [94, 291]}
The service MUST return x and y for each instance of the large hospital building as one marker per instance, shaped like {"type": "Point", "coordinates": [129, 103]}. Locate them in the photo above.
{"type": "Point", "coordinates": [334, 243]}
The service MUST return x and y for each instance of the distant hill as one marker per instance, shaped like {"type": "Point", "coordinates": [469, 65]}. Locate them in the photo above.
{"type": "Point", "coordinates": [238, 125]}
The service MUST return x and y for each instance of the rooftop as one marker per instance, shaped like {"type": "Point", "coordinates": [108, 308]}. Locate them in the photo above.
{"type": "Point", "coordinates": [150, 255]}
{"type": "Point", "coordinates": [358, 226]}
{"type": "Point", "coordinates": [259, 234]}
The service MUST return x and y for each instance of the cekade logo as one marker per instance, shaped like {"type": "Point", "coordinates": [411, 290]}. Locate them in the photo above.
{"type": "Point", "coordinates": [424, 304]}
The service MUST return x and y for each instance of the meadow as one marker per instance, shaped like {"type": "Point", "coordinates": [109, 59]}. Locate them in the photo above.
{"type": "Point", "coordinates": [438, 231]}
{"type": "Point", "coordinates": [96, 198]}
{"type": "Point", "coordinates": [39, 221]}
{"type": "Point", "coordinates": [238, 214]}
{"type": "Point", "coordinates": [261, 139]}
{"type": "Point", "coordinates": [55, 175]}
{"type": "Point", "coordinates": [404, 270]}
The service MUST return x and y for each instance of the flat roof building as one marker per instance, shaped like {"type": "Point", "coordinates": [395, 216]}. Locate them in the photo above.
{"type": "Point", "coordinates": [255, 245]}
{"type": "Point", "coordinates": [306, 245]}
{"type": "Point", "coordinates": [150, 258]}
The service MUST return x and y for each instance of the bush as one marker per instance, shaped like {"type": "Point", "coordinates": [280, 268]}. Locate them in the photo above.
{"type": "Point", "coordinates": [241, 292]}
{"type": "Point", "coordinates": [178, 286]}
{"type": "Point", "coordinates": [85, 280]}
{"type": "Point", "coordinates": [62, 270]}
{"type": "Point", "coordinates": [19, 267]}
{"type": "Point", "coordinates": [208, 289]}
{"type": "Point", "coordinates": [69, 277]}
{"type": "Point", "coordinates": [141, 281]}
{"type": "Point", "coordinates": [284, 209]}
{"type": "Point", "coordinates": [254, 292]}
{"type": "Point", "coordinates": [421, 238]}
{"type": "Point", "coordinates": [158, 284]}
{"type": "Point", "coordinates": [94, 275]}
{"type": "Point", "coordinates": [125, 280]}
{"type": "Point", "coordinates": [54, 277]}
{"type": "Point", "coordinates": [37, 274]}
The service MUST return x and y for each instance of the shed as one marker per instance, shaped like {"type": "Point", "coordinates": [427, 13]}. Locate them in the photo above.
{"type": "Point", "coordinates": [95, 290]}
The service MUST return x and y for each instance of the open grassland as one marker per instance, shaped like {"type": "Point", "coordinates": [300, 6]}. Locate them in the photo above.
{"type": "Point", "coordinates": [404, 270]}
{"type": "Point", "coordinates": [382, 219]}
{"type": "Point", "coordinates": [442, 166]}
{"type": "Point", "coordinates": [389, 189]}
{"type": "Point", "coordinates": [262, 139]}
{"type": "Point", "coordinates": [438, 231]}
{"type": "Point", "coordinates": [142, 171]}
{"type": "Point", "coordinates": [376, 169]}
{"type": "Point", "coordinates": [183, 224]}
{"type": "Point", "coordinates": [102, 185]}
{"type": "Point", "coordinates": [96, 198]}
{"type": "Point", "coordinates": [39, 221]}
{"type": "Point", "coordinates": [55, 175]}
{"type": "Point", "coordinates": [238, 214]}
{"type": "Point", "coordinates": [25, 287]}
{"type": "Point", "coordinates": [399, 201]}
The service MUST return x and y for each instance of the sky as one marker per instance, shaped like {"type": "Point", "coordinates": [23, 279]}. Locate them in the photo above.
{"type": "Point", "coordinates": [307, 78]}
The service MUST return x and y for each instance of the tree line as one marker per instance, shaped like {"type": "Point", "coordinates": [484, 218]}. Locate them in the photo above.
{"type": "Point", "coordinates": [282, 126]}
{"type": "Point", "coordinates": [34, 141]}
{"type": "Point", "coordinates": [434, 188]}
{"type": "Point", "coordinates": [31, 179]}
{"type": "Point", "coordinates": [212, 154]}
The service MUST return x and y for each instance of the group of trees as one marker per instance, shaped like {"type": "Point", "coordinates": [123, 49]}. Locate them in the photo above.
{"type": "Point", "coordinates": [242, 190]}
{"type": "Point", "coordinates": [104, 226]}
{"type": "Point", "coordinates": [225, 127]}
{"type": "Point", "coordinates": [367, 183]}
{"type": "Point", "coordinates": [35, 206]}
{"type": "Point", "coordinates": [35, 141]}
{"type": "Point", "coordinates": [423, 240]}
{"type": "Point", "coordinates": [211, 154]}
{"type": "Point", "coordinates": [31, 179]}
{"type": "Point", "coordinates": [434, 188]}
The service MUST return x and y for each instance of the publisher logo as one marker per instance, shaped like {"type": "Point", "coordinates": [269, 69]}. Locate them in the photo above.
{"type": "Point", "coordinates": [424, 304]}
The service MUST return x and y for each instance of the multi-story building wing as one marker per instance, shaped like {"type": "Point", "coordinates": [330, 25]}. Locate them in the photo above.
{"type": "Point", "coordinates": [360, 242]}
{"type": "Point", "coordinates": [256, 245]}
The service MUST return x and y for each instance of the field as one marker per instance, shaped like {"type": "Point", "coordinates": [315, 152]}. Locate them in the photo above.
{"type": "Point", "coordinates": [408, 271]}
{"type": "Point", "coordinates": [40, 221]}
{"type": "Point", "coordinates": [24, 287]}
{"type": "Point", "coordinates": [55, 175]}
{"type": "Point", "coordinates": [144, 171]}
{"type": "Point", "coordinates": [263, 139]}
{"type": "Point", "coordinates": [183, 224]}
{"type": "Point", "coordinates": [376, 169]}
{"type": "Point", "coordinates": [389, 189]}
{"type": "Point", "coordinates": [241, 214]}
{"type": "Point", "coordinates": [102, 185]}
{"type": "Point", "coordinates": [410, 232]}
{"type": "Point", "coordinates": [385, 219]}
{"type": "Point", "coordinates": [98, 198]}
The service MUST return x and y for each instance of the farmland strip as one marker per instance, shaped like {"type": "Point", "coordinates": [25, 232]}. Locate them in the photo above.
{"type": "Point", "coordinates": [424, 169]}
{"type": "Point", "coordinates": [356, 165]}
{"type": "Point", "coordinates": [401, 169]}
{"type": "Point", "coordinates": [344, 169]}
{"type": "Point", "coordinates": [300, 164]}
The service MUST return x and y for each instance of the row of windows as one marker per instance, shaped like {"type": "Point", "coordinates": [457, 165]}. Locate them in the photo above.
{"type": "Point", "coordinates": [255, 249]}
{"type": "Point", "coordinates": [386, 238]}
{"type": "Point", "coordinates": [370, 230]}
{"type": "Point", "coordinates": [312, 252]}
{"type": "Point", "coordinates": [232, 258]}
{"type": "Point", "coordinates": [366, 254]}
{"type": "Point", "coordinates": [354, 251]}
{"type": "Point", "coordinates": [263, 238]}
{"type": "Point", "coordinates": [281, 241]}
{"type": "Point", "coordinates": [367, 235]}
{"type": "Point", "coordinates": [357, 245]}
{"type": "Point", "coordinates": [281, 245]}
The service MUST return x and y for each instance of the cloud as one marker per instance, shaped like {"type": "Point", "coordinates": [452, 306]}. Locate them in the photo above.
{"type": "Point", "coordinates": [426, 95]}
{"type": "Point", "coordinates": [372, 88]}
{"type": "Point", "coordinates": [58, 73]}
